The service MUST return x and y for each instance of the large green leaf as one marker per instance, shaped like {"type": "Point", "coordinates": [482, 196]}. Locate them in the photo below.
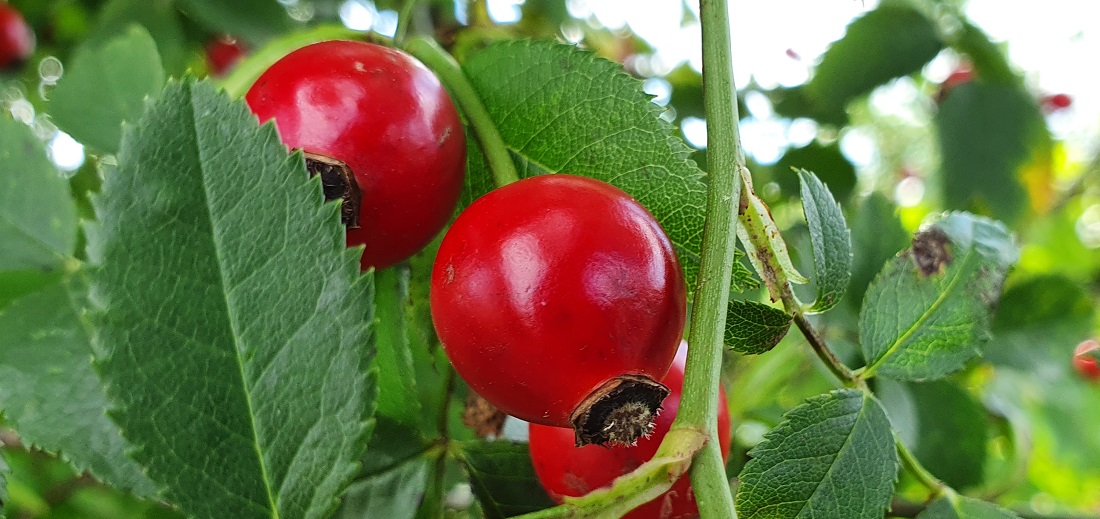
{"type": "Point", "coordinates": [37, 216]}
{"type": "Point", "coordinates": [503, 478]}
{"type": "Point", "coordinates": [996, 150]}
{"type": "Point", "coordinates": [392, 494]}
{"type": "Point", "coordinates": [563, 109]}
{"type": "Point", "coordinates": [396, 376]}
{"type": "Point", "coordinates": [830, 240]}
{"type": "Point", "coordinates": [891, 41]}
{"type": "Point", "coordinates": [105, 86]}
{"type": "Point", "coordinates": [929, 309]}
{"type": "Point", "coordinates": [961, 507]}
{"type": "Point", "coordinates": [833, 456]}
{"type": "Point", "coordinates": [944, 426]}
{"type": "Point", "coordinates": [159, 17]}
{"type": "Point", "coordinates": [51, 395]}
{"type": "Point", "coordinates": [753, 328]}
{"type": "Point", "coordinates": [1038, 323]}
{"type": "Point", "coordinates": [253, 20]}
{"type": "Point", "coordinates": [233, 324]}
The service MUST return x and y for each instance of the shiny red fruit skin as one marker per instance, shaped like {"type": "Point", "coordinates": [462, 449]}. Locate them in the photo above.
{"type": "Point", "coordinates": [386, 116]}
{"type": "Point", "coordinates": [566, 470]}
{"type": "Point", "coordinates": [548, 287]}
{"type": "Point", "coordinates": [16, 37]}
{"type": "Point", "coordinates": [1084, 363]}
{"type": "Point", "coordinates": [222, 54]}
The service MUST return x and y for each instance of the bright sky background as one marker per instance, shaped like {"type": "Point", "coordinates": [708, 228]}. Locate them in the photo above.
{"type": "Point", "coordinates": [1049, 44]}
{"type": "Point", "coordinates": [776, 43]}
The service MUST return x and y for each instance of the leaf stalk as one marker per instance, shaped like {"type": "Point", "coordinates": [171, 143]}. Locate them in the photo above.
{"type": "Point", "coordinates": [488, 136]}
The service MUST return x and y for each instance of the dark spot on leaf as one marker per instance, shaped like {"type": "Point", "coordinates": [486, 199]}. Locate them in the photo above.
{"type": "Point", "coordinates": [930, 251]}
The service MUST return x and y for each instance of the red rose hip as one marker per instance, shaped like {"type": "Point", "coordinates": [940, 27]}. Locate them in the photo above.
{"type": "Point", "coordinates": [222, 54]}
{"type": "Point", "coordinates": [1084, 360]}
{"type": "Point", "coordinates": [16, 38]}
{"type": "Point", "coordinates": [567, 470]}
{"type": "Point", "coordinates": [560, 300]}
{"type": "Point", "coordinates": [376, 115]}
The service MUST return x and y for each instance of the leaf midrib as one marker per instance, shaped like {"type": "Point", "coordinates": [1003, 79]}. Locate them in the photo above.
{"type": "Point", "coordinates": [847, 442]}
{"type": "Point", "coordinates": [228, 308]}
{"type": "Point", "coordinates": [947, 292]}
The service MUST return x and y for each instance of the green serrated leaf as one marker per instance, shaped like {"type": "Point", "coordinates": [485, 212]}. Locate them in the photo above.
{"type": "Point", "coordinates": [833, 456]}
{"type": "Point", "coordinates": [961, 507]}
{"type": "Point", "coordinates": [877, 235]}
{"type": "Point", "coordinates": [105, 86]}
{"type": "Point", "coordinates": [391, 444]}
{"type": "Point", "coordinates": [393, 494]}
{"type": "Point", "coordinates": [944, 426]}
{"type": "Point", "coordinates": [159, 17]}
{"type": "Point", "coordinates": [503, 478]}
{"type": "Point", "coordinates": [996, 150]}
{"type": "Point", "coordinates": [234, 326]}
{"type": "Point", "coordinates": [753, 328]}
{"type": "Point", "coordinates": [253, 20]}
{"type": "Point", "coordinates": [37, 215]}
{"type": "Point", "coordinates": [1038, 322]}
{"type": "Point", "coordinates": [928, 310]}
{"type": "Point", "coordinates": [830, 240]}
{"type": "Point", "coordinates": [566, 110]}
{"type": "Point", "coordinates": [396, 377]}
{"type": "Point", "coordinates": [891, 41]}
{"type": "Point", "coordinates": [51, 395]}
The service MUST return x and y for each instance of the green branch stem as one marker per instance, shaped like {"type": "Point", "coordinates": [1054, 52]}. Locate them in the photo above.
{"type": "Point", "coordinates": [699, 403]}
{"type": "Point", "coordinates": [492, 144]}
{"type": "Point", "coordinates": [936, 487]}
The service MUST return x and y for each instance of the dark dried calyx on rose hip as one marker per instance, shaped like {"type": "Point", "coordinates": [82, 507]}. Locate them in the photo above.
{"type": "Point", "coordinates": [619, 412]}
{"type": "Point", "coordinates": [337, 181]}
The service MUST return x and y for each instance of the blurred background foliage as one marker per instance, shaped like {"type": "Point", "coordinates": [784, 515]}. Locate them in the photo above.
{"type": "Point", "coordinates": [903, 107]}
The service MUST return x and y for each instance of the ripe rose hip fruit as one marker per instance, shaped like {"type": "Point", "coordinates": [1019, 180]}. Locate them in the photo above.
{"type": "Point", "coordinates": [222, 54]}
{"type": "Point", "coordinates": [567, 470]}
{"type": "Point", "coordinates": [560, 300]}
{"type": "Point", "coordinates": [1054, 102]}
{"type": "Point", "coordinates": [1084, 360]}
{"type": "Point", "coordinates": [16, 38]}
{"type": "Point", "coordinates": [958, 77]}
{"type": "Point", "coordinates": [380, 130]}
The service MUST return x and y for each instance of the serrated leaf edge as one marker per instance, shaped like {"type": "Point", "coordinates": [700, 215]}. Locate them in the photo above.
{"type": "Point", "coordinates": [351, 264]}
{"type": "Point", "coordinates": [807, 177]}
